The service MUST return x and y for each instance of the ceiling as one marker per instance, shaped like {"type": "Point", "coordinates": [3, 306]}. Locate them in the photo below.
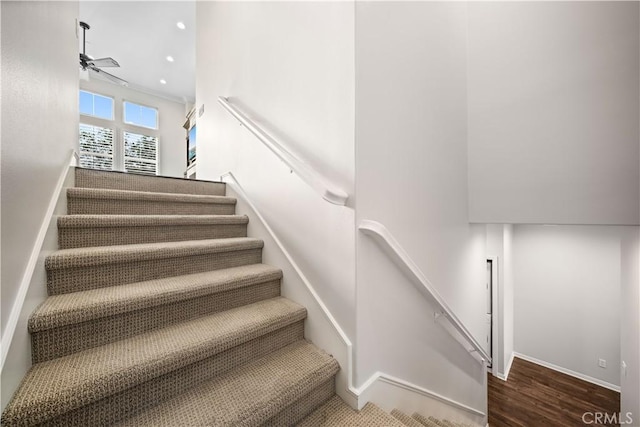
{"type": "Point", "coordinates": [140, 35]}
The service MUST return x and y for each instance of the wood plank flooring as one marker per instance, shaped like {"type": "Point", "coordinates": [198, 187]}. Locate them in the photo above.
{"type": "Point", "coordinates": [537, 396]}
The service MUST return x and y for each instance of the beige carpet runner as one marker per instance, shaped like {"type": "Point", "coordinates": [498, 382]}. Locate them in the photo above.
{"type": "Point", "coordinates": [161, 313]}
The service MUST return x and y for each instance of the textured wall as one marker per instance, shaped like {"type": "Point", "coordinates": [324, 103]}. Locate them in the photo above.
{"type": "Point", "coordinates": [553, 112]}
{"type": "Point", "coordinates": [39, 123]}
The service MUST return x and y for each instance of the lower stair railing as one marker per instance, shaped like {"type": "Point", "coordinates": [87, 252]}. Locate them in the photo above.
{"type": "Point", "coordinates": [397, 253]}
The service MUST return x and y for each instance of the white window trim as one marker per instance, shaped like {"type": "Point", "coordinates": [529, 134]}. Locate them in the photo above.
{"type": "Point", "coordinates": [111, 156]}
{"type": "Point", "coordinates": [124, 119]}
{"type": "Point", "coordinates": [155, 162]}
{"type": "Point", "coordinates": [113, 105]}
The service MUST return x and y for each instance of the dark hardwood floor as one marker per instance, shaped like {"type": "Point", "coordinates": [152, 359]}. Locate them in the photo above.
{"type": "Point", "coordinates": [536, 396]}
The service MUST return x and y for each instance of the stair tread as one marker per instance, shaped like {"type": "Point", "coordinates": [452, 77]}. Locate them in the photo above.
{"type": "Point", "coordinates": [54, 387]}
{"type": "Point", "coordinates": [91, 178]}
{"type": "Point", "coordinates": [337, 413]}
{"type": "Point", "coordinates": [429, 422]}
{"type": "Point", "coordinates": [82, 257]}
{"type": "Point", "coordinates": [90, 221]}
{"type": "Point", "coordinates": [406, 419]}
{"type": "Point", "coordinates": [76, 307]}
{"type": "Point", "coordinates": [106, 193]}
{"type": "Point", "coordinates": [248, 395]}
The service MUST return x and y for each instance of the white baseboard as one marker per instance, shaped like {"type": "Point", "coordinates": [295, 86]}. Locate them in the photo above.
{"type": "Point", "coordinates": [574, 374]}
{"type": "Point", "coordinates": [320, 327]}
{"type": "Point", "coordinates": [25, 283]}
{"type": "Point", "coordinates": [15, 346]}
{"type": "Point", "coordinates": [323, 329]}
{"type": "Point", "coordinates": [389, 393]}
{"type": "Point", "coordinates": [504, 376]}
{"type": "Point", "coordinates": [506, 372]}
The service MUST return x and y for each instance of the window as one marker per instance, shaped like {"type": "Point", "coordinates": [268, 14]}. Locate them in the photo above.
{"type": "Point", "coordinates": [140, 115]}
{"type": "Point", "coordinates": [92, 104]}
{"type": "Point", "coordinates": [96, 147]}
{"type": "Point", "coordinates": [111, 141]}
{"type": "Point", "coordinates": [140, 153]}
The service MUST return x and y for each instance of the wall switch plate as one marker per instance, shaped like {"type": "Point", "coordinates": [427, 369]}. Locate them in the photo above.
{"type": "Point", "coordinates": [602, 363]}
{"type": "Point", "coordinates": [624, 369]}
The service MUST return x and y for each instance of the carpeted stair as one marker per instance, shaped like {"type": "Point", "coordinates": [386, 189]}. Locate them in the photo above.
{"type": "Point", "coordinates": [336, 413]}
{"type": "Point", "coordinates": [161, 313]}
{"type": "Point", "coordinates": [418, 420]}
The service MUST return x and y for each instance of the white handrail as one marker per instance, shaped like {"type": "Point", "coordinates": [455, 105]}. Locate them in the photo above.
{"type": "Point", "coordinates": [326, 189]}
{"type": "Point", "coordinates": [382, 235]}
{"type": "Point", "coordinates": [354, 392]}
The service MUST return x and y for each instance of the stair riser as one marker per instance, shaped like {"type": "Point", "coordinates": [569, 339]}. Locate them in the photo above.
{"type": "Point", "coordinates": [406, 419]}
{"type": "Point", "coordinates": [58, 342]}
{"type": "Point", "coordinates": [65, 280]}
{"type": "Point", "coordinates": [424, 420]}
{"type": "Point", "coordinates": [109, 236]}
{"type": "Point", "coordinates": [85, 206]}
{"type": "Point", "coordinates": [304, 406]}
{"type": "Point", "coordinates": [126, 403]}
{"type": "Point", "coordinates": [124, 181]}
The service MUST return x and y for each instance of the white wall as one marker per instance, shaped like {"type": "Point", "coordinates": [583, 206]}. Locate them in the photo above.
{"type": "Point", "coordinates": [172, 148]}
{"type": "Point", "coordinates": [500, 246]}
{"type": "Point", "coordinates": [39, 124]}
{"type": "Point", "coordinates": [290, 67]}
{"type": "Point", "coordinates": [411, 175]}
{"type": "Point", "coordinates": [508, 298]}
{"type": "Point", "coordinates": [553, 112]}
{"type": "Point", "coordinates": [630, 325]}
{"type": "Point", "coordinates": [567, 297]}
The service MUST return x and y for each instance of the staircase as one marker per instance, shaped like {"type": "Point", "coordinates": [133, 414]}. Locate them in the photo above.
{"type": "Point", "coordinates": [160, 313]}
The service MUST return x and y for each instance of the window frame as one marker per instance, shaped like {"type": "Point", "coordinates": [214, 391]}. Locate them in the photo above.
{"type": "Point", "coordinates": [113, 105]}
{"type": "Point", "coordinates": [135, 132]}
{"type": "Point", "coordinates": [112, 156]}
{"type": "Point", "coordinates": [124, 115]}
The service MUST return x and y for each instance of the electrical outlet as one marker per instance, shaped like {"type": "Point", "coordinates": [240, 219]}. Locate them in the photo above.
{"type": "Point", "coordinates": [602, 363]}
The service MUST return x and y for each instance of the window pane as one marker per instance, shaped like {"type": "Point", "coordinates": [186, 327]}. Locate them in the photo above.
{"type": "Point", "coordinates": [103, 107]}
{"type": "Point", "coordinates": [86, 103]}
{"type": "Point", "coordinates": [149, 117]}
{"type": "Point", "coordinates": [96, 105]}
{"type": "Point", "coordinates": [133, 166]}
{"type": "Point", "coordinates": [140, 115]}
{"type": "Point", "coordinates": [96, 147]}
{"type": "Point", "coordinates": [140, 153]}
{"type": "Point", "coordinates": [96, 162]}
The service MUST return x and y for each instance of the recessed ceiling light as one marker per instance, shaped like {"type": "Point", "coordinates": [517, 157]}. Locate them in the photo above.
{"type": "Point", "coordinates": [170, 58]}
{"type": "Point", "coordinates": [163, 81]}
{"type": "Point", "coordinates": [181, 25]}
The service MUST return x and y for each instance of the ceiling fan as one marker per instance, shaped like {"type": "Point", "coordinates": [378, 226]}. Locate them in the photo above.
{"type": "Point", "coordinates": [89, 64]}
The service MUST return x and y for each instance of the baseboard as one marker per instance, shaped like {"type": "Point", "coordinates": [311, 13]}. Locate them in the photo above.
{"type": "Point", "coordinates": [16, 342]}
{"type": "Point", "coordinates": [320, 327]}
{"type": "Point", "coordinates": [574, 374]}
{"type": "Point", "coordinates": [389, 392]}
{"type": "Point", "coordinates": [504, 376]}
{"type": "Point", "coordinates": [25, 283]}
{"type": "Point", "coordinates": [323, 330]}
{"type": "Point", "coordinates": [506, 373]}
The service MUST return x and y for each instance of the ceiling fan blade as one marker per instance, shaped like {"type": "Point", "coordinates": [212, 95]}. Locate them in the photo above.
{"type": "Point", "coordinates": [109, 77]}
{"type": "Point", "coordinates": [103, 62]}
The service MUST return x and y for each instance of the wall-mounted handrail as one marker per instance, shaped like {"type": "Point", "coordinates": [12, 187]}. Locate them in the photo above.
{"type": "Point", "coordinates": [319, 183]}
{"type": "Point", "coordinates": [380, 233]}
